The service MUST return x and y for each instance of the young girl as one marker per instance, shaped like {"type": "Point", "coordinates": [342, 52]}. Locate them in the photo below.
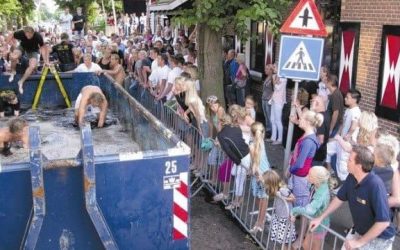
{"type": "Point", "coordinates": [259, 165]}
{"type": "Point", "coordinates": [241, 118]}
{"type": "Point", "coordinates": [322, 90]}
{"type": "Point", "coordinates": [216, 112]}
{"type": "Point", "coordinates": [301, 160]}
{"type": "Point", "coordinates": [232, 143]}
{"type": "Point", "coordinates": [277, 102]}
{"type": "Point", "coordinates": [282, 229]}
{"type": "Point", "coordinates": [250, 104]}
{"type": "Point", "coordinates": [320, 198]}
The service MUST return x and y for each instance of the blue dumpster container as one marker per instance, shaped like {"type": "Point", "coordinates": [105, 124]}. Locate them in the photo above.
{"type": "Point", "coordinates": [130, 200]}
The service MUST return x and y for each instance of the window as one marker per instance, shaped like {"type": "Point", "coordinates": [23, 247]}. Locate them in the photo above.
{"type": "Point", "coordinates": [257, 46]}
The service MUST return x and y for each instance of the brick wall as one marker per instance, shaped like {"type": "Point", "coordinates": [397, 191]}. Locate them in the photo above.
{"type": "Point", "coordinates": [372, 15]}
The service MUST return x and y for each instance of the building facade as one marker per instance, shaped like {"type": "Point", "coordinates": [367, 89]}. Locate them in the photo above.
{"type": "Point", "coordinates": [379, 48]}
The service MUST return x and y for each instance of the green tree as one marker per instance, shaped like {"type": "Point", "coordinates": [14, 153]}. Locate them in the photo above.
{"type": "Point", "coordinates": [213, 19]}
{"type": "Point", "coordinates": [14, 11]}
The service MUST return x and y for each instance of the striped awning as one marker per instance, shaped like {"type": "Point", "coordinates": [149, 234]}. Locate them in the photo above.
{"type": "Point", "coordinates": [165, 5]}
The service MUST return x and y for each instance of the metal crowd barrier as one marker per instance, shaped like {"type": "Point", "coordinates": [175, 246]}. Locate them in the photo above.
{"type": "Point", "coordinates": [217, 178]}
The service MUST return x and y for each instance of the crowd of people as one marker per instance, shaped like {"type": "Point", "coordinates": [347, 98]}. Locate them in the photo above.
{"type": "Point", "coordinates": [338, 148]}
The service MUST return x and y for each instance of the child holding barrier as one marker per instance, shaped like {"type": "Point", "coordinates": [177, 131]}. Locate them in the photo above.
{"type": "Point", "coordinates": [216, 112]}
{"type": "Point", "coordinates": [282, 229]}
{"type": "Point", "coordinates": [259, 165]}
{"type": "Point", "coordinates": [318, 176]}
{"type": "Point", "coordinates": [232, 143]}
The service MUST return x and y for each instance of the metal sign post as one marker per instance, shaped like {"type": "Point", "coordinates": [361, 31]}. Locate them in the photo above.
{"type": "Point", "coordinates": [289, 136]}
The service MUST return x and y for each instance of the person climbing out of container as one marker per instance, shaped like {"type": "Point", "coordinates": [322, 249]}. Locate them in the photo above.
{"type": "Point", "coordinates": [91, 97]}
{"type": "Point", "coordinates": [31, 43]}
{"type": "Point", "coordinates": [17, 131]}
{"type": "Point", "coordinates": [8, 99]}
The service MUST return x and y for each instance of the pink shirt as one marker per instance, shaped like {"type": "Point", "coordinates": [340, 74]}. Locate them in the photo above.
{"type": "Point", "coordinates": [279, 95]}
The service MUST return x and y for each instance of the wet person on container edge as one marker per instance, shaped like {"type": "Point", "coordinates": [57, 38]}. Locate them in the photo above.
{"type": "Point", "coordinates": [16, 131]}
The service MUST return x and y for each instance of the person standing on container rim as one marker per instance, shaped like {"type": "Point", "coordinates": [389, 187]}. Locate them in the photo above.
{"type": "Point", "coordinates": [268, 90]}
{"type": "Point", "coordinates": [302, 157]}
{"type": "Point", "coordinates": [367, 197]}
{"type": "Point", "coordinates": [78, 22]}
{"type": "Point", "coordinates": [66, 22]}
{"type": "Point", "coordinates": [31, 42]}
{"type": "Point", "coordinates": [277, 102]}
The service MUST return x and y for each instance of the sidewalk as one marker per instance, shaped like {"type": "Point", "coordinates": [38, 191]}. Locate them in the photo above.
{"type": "Point", "coordinates": [212, 227]}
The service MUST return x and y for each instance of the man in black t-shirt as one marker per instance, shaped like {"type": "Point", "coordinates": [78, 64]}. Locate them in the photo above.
{"type": "Point", "coordinates": [78, 22]}
{"type": "Point", "coordinates": [63, 52]}
{"type": "Point", "coordinates": [31, 44]}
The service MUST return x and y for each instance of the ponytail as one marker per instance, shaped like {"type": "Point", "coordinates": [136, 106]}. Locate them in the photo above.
{"type": "Point", "coordinates": [258, 132]}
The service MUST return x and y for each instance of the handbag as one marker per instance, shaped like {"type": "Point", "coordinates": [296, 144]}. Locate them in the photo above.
{"type": "Point", "coordinates": [206, 144]}
{"type": "Point", "coordinates": [240, 83]}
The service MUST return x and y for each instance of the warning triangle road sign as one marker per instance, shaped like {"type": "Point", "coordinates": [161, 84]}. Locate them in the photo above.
{"type": "Point", "coordinates": [305, 20]}
{"type": "Point", "coordinates": [300, 60]}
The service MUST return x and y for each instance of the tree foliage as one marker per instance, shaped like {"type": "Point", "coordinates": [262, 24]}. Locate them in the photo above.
{"type": "Point", "coordinates": [220, 14]}
{"type": "Point", "coordinates": [14, 11]}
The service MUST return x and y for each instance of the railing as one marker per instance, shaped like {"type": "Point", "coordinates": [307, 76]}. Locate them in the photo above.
{"type": "Point", "coordinates": [213, 171]}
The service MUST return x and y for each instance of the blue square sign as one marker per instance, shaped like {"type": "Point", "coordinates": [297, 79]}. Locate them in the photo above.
{"type": "Point", "coordinates": [300, 57]}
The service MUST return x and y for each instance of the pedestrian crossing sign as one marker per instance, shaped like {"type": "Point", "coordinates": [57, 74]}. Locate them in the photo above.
{"type": "Point", "coordinates": [300, 57]}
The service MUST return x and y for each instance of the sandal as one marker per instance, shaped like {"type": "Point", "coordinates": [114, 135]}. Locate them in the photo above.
{"type": "Point", "coordinates": [232, 206]}
{"type": "Point", "coordinates": [256, 229]}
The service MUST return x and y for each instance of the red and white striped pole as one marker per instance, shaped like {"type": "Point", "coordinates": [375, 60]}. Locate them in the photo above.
{"type": "Point", "coordinates": [180, 209]}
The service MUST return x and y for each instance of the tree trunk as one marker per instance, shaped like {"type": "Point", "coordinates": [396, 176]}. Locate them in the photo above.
{"type": "Point", "coordinates": [210, 62]}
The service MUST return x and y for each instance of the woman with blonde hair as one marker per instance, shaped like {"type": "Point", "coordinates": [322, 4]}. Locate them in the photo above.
{"type": "Point", "coordinates": [259, 165]}
{"type": "Point", "coordinates": [303, 154]}
{"type": "Point", "coordinates": [320, 198]}
{"type": "Point", "coordinates": [192, 70]}
{"type": "Point", "coordinates": [364, 135]}
{"type": "Point", "coordinates": [195, 104]}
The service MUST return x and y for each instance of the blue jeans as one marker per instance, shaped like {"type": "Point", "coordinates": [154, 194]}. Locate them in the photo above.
{"type": "Point", "coordinates": [240, 96]}
{"type": "Point", "coordinates": [267, 114]}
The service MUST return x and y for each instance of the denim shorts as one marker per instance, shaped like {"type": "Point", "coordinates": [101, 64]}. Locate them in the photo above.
{"type": "Point", "coordinates": [258, 189]}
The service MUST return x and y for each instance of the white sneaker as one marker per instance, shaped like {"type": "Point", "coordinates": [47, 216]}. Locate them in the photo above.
{"type": "Point", "coordinates": [220, 197]}
{"type": "Point", "coordinates": [277, 143]}
{"type": "Point", "coordinates": [268, 217]}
